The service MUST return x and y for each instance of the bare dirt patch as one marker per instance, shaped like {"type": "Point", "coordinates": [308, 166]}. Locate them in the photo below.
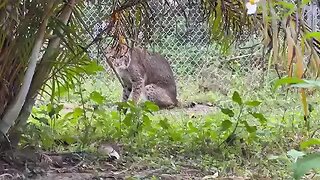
{"type": "Point", "coordinates": [28, 164]}
{"type": "Point", "coordinates": [200, 108]}
{"type": "Point", "coordinates": [193, 110]}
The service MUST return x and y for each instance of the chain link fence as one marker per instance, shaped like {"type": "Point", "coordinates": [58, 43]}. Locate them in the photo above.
{"type": "Point", "coordinates": [312, 15]}
{"type": "Point", "coordinates": [178, 31]}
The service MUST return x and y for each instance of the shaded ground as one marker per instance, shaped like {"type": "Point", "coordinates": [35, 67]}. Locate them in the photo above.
{"type": "Point", "coordinates": [38, 165]}
{"type": "Point", "coordinates": [28, 164]}
{"type": "Point", "coordinates": [200, 108]}
{"type": "Point", "coordinates": [32, 164]}
{"type": "Point", "coordinates": [192, 109]}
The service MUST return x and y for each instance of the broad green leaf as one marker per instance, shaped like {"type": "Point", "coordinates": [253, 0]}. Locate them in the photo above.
{"type": "Point", "coordinates": [226, 124]}
{"type": "Point", "coordinates": [176, 135]}
{"type": "Point", "coordinates": [97, 97]}
{"type": "Point", "coordinates": [128, 119]}
{"type": "Point", "coordinates": [58, 108]}
{"type": "Point", "coordinates": [250, 129]}
{"type": "Point", "coordinates": [164, 123]}
{"type": "Point", "coordinates": [287, 80]}
{"type": "Point", "coordinates": [309, 143]}
{"type": "Point", "coordinates": [50, 108]}
{"type": "Point", "coordinates": [115, 115]}
{"type": "Point", "coordinates": [151, 106]}
{"type": "Point", "coordinates": [214, 135]}
{"type": "Point", "coordinates": [208, 122]}
{"type": "Point", "coordinates": [227, 111]}
{"type": "Point", "coordinates": [260, 117]}
{"type": "Point", "coordinates": [236, 98]}
{"type": "Point", "coordinates": [305, 164]}
{"type": "Point", "coordinates": [294, 154]}
{"type": "Point", "coordinates": [68, 115]}
{"type": "Point", "coordinates": [122, 105]}
{"type": "Point", "coordinates": [77, 112]}
{"type": "Point", "coordinates": [93, 67]}
{"type": "Point", "coordinates": [146, 120]}
{"type": "Point", "coordinates": [253, 103]}
{"type": "Point", "coordinates": [311, 35]}
{"type": "Point", "coordinates": [305, 2]}
{"type": "Point", "coordinates": [103, 114]}
{"type": "Point", "coordinates": [192, 128]}
{"type": "Point", "coordinates": [131, 104]}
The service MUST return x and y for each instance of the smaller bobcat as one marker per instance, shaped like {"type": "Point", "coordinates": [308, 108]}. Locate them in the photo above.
{"type": "Point", "coordinates": [144, 74]}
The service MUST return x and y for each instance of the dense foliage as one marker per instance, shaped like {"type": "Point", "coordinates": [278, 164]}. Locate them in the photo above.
{"type": "Point", "coordinates": [44, 55]}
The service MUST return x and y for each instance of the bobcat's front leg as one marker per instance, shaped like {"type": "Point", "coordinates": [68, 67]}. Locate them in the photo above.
{"type": "Point", "coordinates": [137, 86]}
{"type": "Point", "coordinates": [126, 93]}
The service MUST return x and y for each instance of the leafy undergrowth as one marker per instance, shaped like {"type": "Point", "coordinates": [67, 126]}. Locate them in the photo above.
{"type": "Point", "coordinates": [243, 135]}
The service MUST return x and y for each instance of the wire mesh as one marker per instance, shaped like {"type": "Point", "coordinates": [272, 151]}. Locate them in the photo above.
{"type": "Point", "coordinates": [312, 16]}
{"type": "Point", "coordinates": [178, 31]}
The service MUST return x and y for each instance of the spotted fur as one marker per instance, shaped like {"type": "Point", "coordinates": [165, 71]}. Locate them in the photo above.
{"type": "Point", "coordinates": [145, 76]}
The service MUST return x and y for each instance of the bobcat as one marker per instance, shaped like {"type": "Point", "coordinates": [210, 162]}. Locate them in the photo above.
{"type": "Point", "coordinates": [144, 75]}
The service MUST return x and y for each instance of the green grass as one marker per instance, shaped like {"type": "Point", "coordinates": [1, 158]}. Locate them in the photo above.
{"type": "Point", "coordinates": [184, 137]}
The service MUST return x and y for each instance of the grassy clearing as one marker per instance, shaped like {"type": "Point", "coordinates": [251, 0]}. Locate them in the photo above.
{"type": "Point", "coordinates": [172, 141]}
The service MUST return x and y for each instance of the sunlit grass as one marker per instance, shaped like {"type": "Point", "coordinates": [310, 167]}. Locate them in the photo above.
{"type": "Point", "coordinates": [195, 133]}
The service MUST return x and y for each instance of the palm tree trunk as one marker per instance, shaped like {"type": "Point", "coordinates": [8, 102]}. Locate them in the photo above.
{"type": "Point", "coordinates": [43, 70]}
{"type": "Point", "coordinates": [14, 109]}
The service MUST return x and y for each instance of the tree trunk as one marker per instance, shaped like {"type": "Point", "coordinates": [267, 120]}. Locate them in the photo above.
{"type": "Point", "coordinates": [12, 113]}
{"type": "Point", "coordinates": [40, 77]}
